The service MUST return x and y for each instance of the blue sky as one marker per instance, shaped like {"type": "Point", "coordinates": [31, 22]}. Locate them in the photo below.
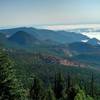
{"type": "Point", "coordinates": [48, 12]}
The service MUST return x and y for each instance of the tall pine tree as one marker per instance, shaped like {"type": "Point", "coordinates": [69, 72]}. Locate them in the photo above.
{"type": "Point", "coordinates": [10, 88]}
{"type": "Point", "coordinates": [59, 86]}
{"type": "Point", "coordinates": [36, 91]}
{"type": "Point", "coordinates": [92, 86]}
{"type": "Point", "coordinates": [50, 94]}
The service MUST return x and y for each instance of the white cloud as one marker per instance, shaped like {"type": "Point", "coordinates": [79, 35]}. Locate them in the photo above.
{"type": "Point", "coordinates": [90, 30]}
{"type": "Point", "coordinates": [92, 34]}
{"type": "Point", "coordinates": [75, 26]}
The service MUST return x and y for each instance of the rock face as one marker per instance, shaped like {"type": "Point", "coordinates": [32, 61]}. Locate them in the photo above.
{"type": "Point", "coordinates": [66, 62]}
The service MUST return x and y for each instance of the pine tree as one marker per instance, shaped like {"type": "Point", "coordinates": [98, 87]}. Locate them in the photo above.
{"type": "Point", "coordinates": [59, 86]}
{"type": "Point", "coordinates": [92, 85]}
{"type": "Point", "coordinates": [68, 82]}
{"type": "Point", "coordinates": [36, 91]}
{"type": "Point", "coordinates": [10, 88]}
{"type": "Point", "coordinates": [80, 95]}
{"type": "Point", "coordinates": [71, 93]}
{"type": "Point", "coordinates": [50, 94]}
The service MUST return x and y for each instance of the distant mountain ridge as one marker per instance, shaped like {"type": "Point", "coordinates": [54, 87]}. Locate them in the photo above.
{"type": "Point", "coordinates": [43, 34]}
{"type": "Point", "coordinates": [66, 45]}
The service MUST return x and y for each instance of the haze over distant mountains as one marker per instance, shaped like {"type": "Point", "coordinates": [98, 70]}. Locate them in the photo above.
{"type": "Point", "coordinates": [89, 33]}
{"type": "Point", "coordinates": [45, 34]}
{"type": "Point", "coordinates": [90, 30]}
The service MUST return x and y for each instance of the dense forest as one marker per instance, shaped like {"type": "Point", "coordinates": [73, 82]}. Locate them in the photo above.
{"type": "Point", "coordinates": [42, 83]}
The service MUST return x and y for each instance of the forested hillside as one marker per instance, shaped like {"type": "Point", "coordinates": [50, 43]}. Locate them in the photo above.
{"type": "Point", "coordinates": [41, 80]}
{"type": "Point", "coordinates": [34, 68]}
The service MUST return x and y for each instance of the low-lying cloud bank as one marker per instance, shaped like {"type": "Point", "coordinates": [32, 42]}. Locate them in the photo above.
{"type": "Point", "coordinates": [90, 30]}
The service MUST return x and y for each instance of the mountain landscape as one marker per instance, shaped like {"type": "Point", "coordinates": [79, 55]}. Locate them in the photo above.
{"type": "Point", "coordinates": [30, 47]}
{"type": "Point", "coordinates": [49, 50]}
{"type": "Point", "coordinates": [63, 44]}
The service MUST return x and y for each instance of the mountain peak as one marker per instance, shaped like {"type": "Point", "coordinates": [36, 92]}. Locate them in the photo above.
{"type": "Point", "coordinates": [22, 37]}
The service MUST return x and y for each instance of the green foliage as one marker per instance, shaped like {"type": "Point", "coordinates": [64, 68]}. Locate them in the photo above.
{"type": "Point", "coordinates": [36, 91]}
{"type": "Point", "coordinates": [72, 93]}
{"type": "Point", "coordinates": [82, 96]}
{"type": "Point", "coordinates": [59, 85]}
{"type": "Point", "coordinates": [89, 98]}
{"type": "Point", "coordinates": [9, 85]}
{"type": "Point", "coordinates": [50, 94]}
{"type": "Point", "coordinates": [29, 64]}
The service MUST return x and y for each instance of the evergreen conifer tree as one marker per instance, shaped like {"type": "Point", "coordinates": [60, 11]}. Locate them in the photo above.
{"type": "Point", "coordinates": [10, 89]}
{"type": "Point", "coordinates": [59, 86]}
{"type": "Point", "coordinates": [50, 94]}
{"type": "Point", "coordinates": [36, 91]}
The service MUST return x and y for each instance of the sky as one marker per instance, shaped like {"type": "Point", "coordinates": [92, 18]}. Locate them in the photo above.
{"type": "Point", "coordinates": [48, 12]}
